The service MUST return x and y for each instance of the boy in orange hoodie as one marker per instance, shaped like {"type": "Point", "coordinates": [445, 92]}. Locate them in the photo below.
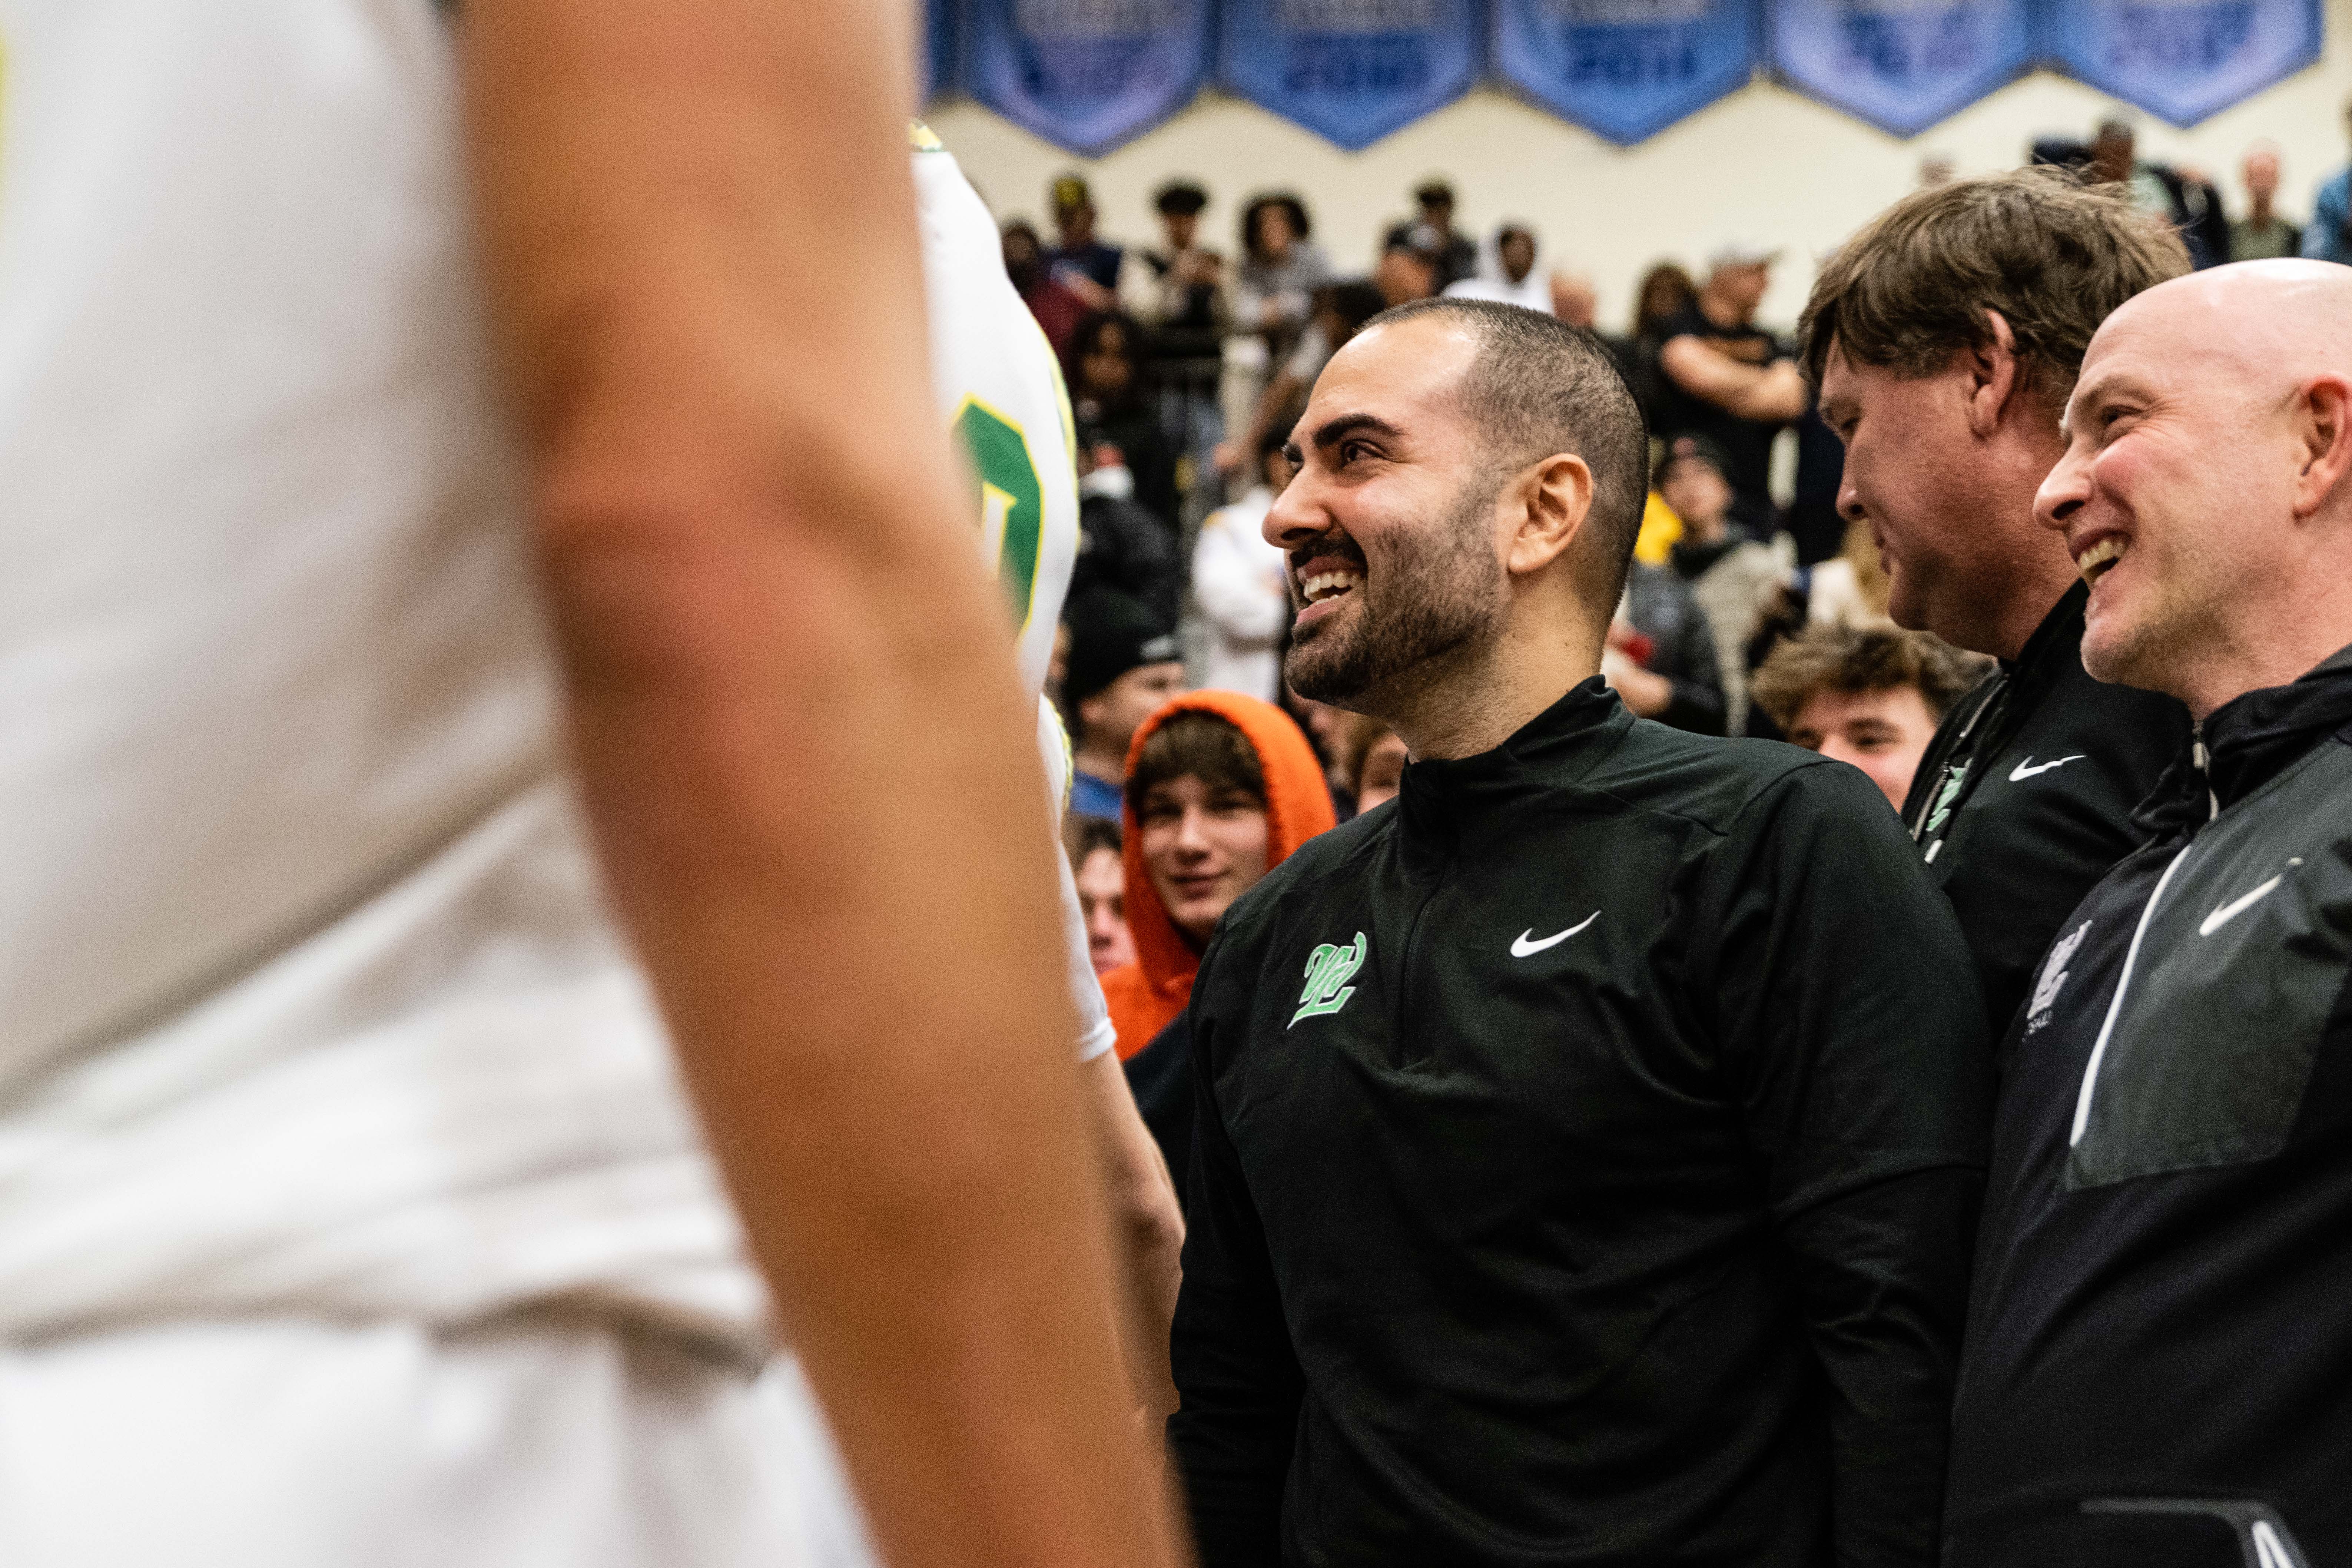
{"type": "Point", "coordinates": [1220, 789]}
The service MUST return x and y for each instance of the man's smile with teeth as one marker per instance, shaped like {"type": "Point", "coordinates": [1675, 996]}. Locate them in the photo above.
{"type": "Point", "coordinates": [2099, 557]}
{"type": "Point", "coordinates": [1328, 586]}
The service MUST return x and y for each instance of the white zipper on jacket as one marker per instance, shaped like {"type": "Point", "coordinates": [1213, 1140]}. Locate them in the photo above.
{"type": "Point", "coordinates": [2198, 754]}
{"type": "Point", "coordinates": [2123, 984]}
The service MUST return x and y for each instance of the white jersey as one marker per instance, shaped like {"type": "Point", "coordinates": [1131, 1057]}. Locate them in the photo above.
{"type": "Point", "coordinates": [309, 1002]}
{"type": "Point", "coordinates": [308, 999]}
{"type": "Point", "coordinates": [1000, 389]}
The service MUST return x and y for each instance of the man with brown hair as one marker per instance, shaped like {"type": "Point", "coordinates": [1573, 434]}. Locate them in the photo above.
{"type": "Point", "coordinates": [1945, 337]}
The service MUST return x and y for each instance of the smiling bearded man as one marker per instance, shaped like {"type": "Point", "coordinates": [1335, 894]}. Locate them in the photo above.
{"type": "Point", "coordinates": [1573, 1210]}
{"type": "Point", "coordinates": [1441, 594]}
{"type": "Point", "coordinates": [2158, 1351]}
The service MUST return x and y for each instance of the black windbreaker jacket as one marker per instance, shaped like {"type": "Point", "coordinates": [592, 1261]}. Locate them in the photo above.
{"type": "Point", "coordinates": [2026, 794]}
{"type": "Point", "coordinates": [1586, 1158]}
{"type": "Point", "coordinates": [2159, 1354]}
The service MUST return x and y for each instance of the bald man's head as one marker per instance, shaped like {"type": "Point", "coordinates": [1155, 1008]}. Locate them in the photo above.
{"type": "Point", "coordinates": [2204, 490]}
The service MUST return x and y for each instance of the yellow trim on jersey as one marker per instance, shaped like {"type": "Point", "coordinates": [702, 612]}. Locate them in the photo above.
{"type": "Point", "coordinates": [921, 138]}
{"type": "Point", "coordinates": [1069, 755]}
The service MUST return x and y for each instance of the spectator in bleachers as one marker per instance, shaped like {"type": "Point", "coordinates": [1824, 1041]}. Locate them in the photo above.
{"type": "Point", "coordinates": [1340, 312]}
{"type": "Point", "coordinates": [1870, 696]}
{"type": "Point", "coordinates": [1103, 364]}
{"type": "Point", "coordinates": [1057, 310]}
{"type": "Point", "coordinates": [1403, 275]}
{"type": "Point", "coordinates": [1179, 289]}
{"type": "Point", "coordinates": [1123, 661]}
{"type": "Point", "coordinates": [1735, 579]}
{"type": "Point", "coordinates": [1453, 253]}
{"type": "Point", "coordinates": [2263, 235]}
{"type": "Point", "coordinates": [1273, 291]}
{"type": "Point", "coordinates": [1099, 871]}
{"type": "Point", "coordinates": [1728, 379]}
{"type": "Point", "coordinates": [1507, 272]}
{"type": "Point", "coordinates": [1660, 657]}
{"type": "Point", "coordinates": [1665, 293]}
{"type": "Point", "coordinates": [1241, 584]}
{"type": "Point", "coordinates": [1081, 262]}
{"type": "Point", "coordinates": [1221, 789]}
{"type": "Point", "coordinates": [2328, 236]}
{"type": "Point", "coordinates": [2180, 197]}
{"type": "Point", "coordinates": [1850, 588]}
{"type": "Point", "coordinates": [1121, 545]}
{"type": "Point", "coordinates": [1574, 300]}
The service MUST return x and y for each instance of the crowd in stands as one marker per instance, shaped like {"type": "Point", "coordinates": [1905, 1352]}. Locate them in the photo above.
{"type": "Point", "coordinates": [1745, 613]}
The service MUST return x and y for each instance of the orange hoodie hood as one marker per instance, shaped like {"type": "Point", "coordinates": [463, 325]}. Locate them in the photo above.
{"type": "Point", "coordinates": [1145, 996]}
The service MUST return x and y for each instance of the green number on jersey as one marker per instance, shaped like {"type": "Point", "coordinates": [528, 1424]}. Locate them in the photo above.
{"type": "Point", "coordinates": [1012, 499]}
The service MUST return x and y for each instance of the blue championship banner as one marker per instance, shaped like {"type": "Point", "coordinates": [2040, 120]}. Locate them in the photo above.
{"type": "Point", "coordinates": [1086, 75]}
{"type": "Point", "coordinates": [1351, 71]}
{"type": "Point", "coordinates": [1626, 68]}
{"type": "Point", "coordinates": [935, 66]}
{"type": "Point", "coordinates": [1902, 65]}
{"type": "Point", "coordinates": [2183, 59]}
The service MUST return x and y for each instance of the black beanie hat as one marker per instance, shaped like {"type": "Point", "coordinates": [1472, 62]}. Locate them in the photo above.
{"type": "Point", "coordinates": [1110, 634]}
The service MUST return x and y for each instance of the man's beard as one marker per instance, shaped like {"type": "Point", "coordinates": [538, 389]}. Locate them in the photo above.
{"type": "Point", "coordinates": [1442, 592]}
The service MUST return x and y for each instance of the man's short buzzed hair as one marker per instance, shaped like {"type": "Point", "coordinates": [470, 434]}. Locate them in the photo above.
{"type": "Point", "coordinates": [2053, 256]}
{"type": "Point", "coordinates": [1540, 386]}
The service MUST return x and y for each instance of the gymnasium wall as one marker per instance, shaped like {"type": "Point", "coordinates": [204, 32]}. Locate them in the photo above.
{"type": "Point", "coordinates": [1763, 161]}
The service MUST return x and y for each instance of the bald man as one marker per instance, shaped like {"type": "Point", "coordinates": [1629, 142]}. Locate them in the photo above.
{"type": "Point", "coordinates": [2159, 1356]}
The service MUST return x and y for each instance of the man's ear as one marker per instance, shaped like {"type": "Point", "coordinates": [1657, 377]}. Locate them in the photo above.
{"type": "Point", "coordinates": [2321, 415]}
{"type": "Point", "coordinates": [1090, 712]}
{"type": "Point", "coordinates": [1552, 500]}
{"type": "Point", "coordinates": [1994, 377]}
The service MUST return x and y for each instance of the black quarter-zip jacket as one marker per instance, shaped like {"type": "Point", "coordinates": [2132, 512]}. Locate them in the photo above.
{"type": "Point", "coordinates": [2160, 1351]}
{"type": "Point", "coordinates": [2025, 796]}
{"type": "Point", "coordinates": [1587, 1155]}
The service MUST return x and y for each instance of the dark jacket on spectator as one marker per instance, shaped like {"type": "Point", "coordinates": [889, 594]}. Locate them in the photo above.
{"type": "Point", "coordinates": [1122, 546]}
{"type": "Point", "coordinates": [2025, 796]}
{"type": "Point", "coordinates": [2156, 1366]}
{"type": "Point", "coordinates": [1605, 1196]}
{"type": "Point", "coordinates": [1133, 427]}
{"type": "Point", "coordinates": [1660, 607]}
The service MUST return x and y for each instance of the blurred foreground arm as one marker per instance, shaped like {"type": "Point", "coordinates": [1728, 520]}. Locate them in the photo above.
{"type": "Point", "coordinates": [1150, 1226]}
{"type": "Point", "coordinates": [807, 758]}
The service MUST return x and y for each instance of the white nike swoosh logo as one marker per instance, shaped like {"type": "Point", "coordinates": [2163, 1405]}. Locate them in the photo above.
{"type": "Point", "coordinates": [2022, 772]}
{"type": "Point", "coordinates": [2236, 907]}
{"type": "Point", "coordinates": [1524, 948]}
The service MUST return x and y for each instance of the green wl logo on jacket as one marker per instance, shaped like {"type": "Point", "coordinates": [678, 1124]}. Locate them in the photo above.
{"type": "Point", "coordinates": [1328, 970]}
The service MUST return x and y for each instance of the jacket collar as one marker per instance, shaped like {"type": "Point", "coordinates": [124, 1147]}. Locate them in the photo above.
{"type": "Point", "coordinates": [2248, 740]}
{"type": "Point", "coordinates": [1569, 736]}
{"type": "Point", "coordinates": [2058, 636]}
{"type": "Point", "coordinates": [2055, 647]}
